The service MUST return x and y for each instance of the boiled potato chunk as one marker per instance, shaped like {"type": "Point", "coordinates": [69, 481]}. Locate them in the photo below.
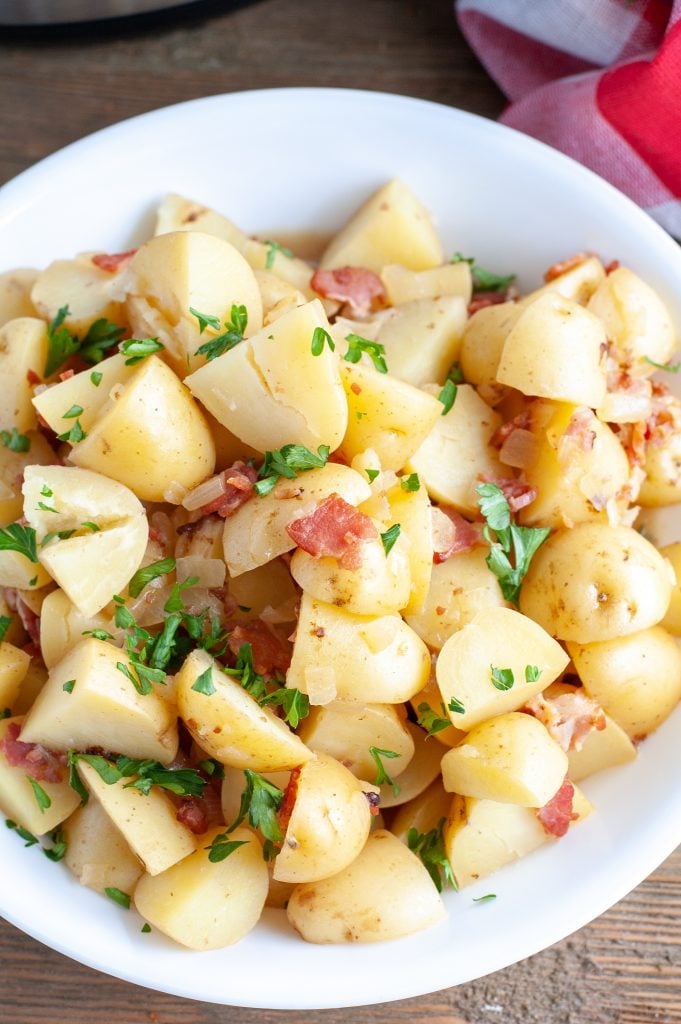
{"type": "Point", "coordinates": [103, 708]}
{"type": "Point", "coordinates": [423, 812]}
{"type": "Point", "coordinates": [256, 533]}
{"type": "Point", "coordinates": [672, 619]}
{"type": "Point", "coordinates": [554, 350]}
{"type": "Point", "coordinates": [577, 283]}
{"type": "Point", "coordinates": [596, 582]}
{"type": "Point", "coordinates": [12, 466]}
{"type": "Point", "coordinates": [81, 390]}
{"type": "Point", "coordinates": [459, 588]}
{"type": "Point", "coordinates": [413, 511]}
{"type": "Point", "coordinates": [385, 894]}
{"type": "Point", "coordinates": [230, 724]}
{"type": "Point", "coordinates": [62, 626]}
{"type": "Point", "coordinates": [662, 466]}
{"type": "Point", "coordinates": [496, 638]}
{"type": "Point", "coordinates": [456, 452]}
{"type": "Point", "coordinates": [579, 466]}
{"type": "Point", "coordinates": [130, 440]}
{"type": "Point", "coordinates": [451, 279]}
{"type": "Point", "coordinates": [177, 213]}
{"type": "Point", "coordinates": [423, 338]}
{"type": "Point", "coordinates": [329, 823]}
{"type": "Point", "coordinates": [30, 687]}
{"type": "Point", "coordinates": [379, 586]}
{"type": "Point", "coordinates": [370, 659]}
{"type": "Point", "coordinates": [204, 905]}
{"type": "Point", "coordinates": [385, 414]}
{"type": "Point", "coordinates": [600, 749]}
{"type": "Point", "coordinates": [422, 770]}
{"type": "Point", "coordinates": [483, 341]}
{"type": "Point", "coordinates": [263, 257]}
{"type": "Point", "coordinates": [271, 390]}
{"type": "Point", "coordinates": [268, 586]}
{"type": "Point", "coordinates": [17, 799]}
{"type": "Point", "coordinates": [636, 678]}
{"type": "Point", "coordinates": [89, 292]}
{"type": "Point", "coordinates": [148, 824]}
{"type": "Point", "coordinates": [23, 347]}
{"type": "Point", "coordinates": [635, 319]}
{"type": "Point", "coordinates": [16, 570]}
{"type": "Point", "coordinates": [510, 759]}
{"type": "Point", "coordinates": [391, 227]}
{"type": "Point", "coordinates": [15, 294]}
{"type": "Point", "coordinates": [13, 668]}
{"type": "Point", "coordinates": [96, 852]}
{"type": "Point", "coordinates": [61, 498]}
{"type": "Point", "coordinates": [173, 273]}
{"type": "Point", "coordinates": [347, 731]}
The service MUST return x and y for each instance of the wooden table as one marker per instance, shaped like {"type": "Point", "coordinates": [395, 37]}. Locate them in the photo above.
{"type": "Point", "coordinates": [57, 85]}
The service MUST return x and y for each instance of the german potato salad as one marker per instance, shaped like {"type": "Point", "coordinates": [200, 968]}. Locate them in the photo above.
{"type": "Point", "coordinates": [323, 585]}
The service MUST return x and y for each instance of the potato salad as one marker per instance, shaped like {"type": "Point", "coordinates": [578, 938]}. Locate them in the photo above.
{"type": "Point", "coordinates": [323, 584]}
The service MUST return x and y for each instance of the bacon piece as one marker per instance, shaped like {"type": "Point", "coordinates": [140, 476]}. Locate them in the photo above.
{"type": "Point", "coordinates": [192, 813]}
{"type": "Point", "coordinates": [335, 529]}
{"type": "Point", "coordinates": [290, 793]}
{"type": "Point", "coordinates": [612, 265]}
{"type": "Point", "coordinates": [556, 815]}
{"type": "Point", "coordinates": [38, 762]}
{"type": "Point", "coordinates": [580, 429]}
{"type": "Point", "coordinates": [360, 288]}
{"type": "Point", "coordinates": [462, 537]}
{"type": "Point", "coordinates": [67, 375]}
{"type": "Point", "coordinates": [238, 482]}
{"type": "Point", "coordinates": [562, 267]}
{"type": "Point", "coordinates": [486, 299]}
{"type": "Point", "coordinates": [517, 494]}
{"type": "Point", "coordinates": [33, 378]}
{"type": "Point", "coordinates": [270, 652]}
{"type": "Point", "coordinates": [29, 620]}
{"type": "Point", "coordinates": [520, 422]}
{"type": "Point", "coordinates": [569, 717]}
{"type": "Point", "coordinates": [113, 262]}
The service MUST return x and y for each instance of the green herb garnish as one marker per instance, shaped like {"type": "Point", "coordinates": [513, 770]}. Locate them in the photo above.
{"type": "Point", "coordinates": [511, 547]}
{"type": "Point", "coordinates": [502, 678]}
{"type": "Point", "coordinates": [148, 573]}
{"type": "Point", "coordinates": [430, 847]}
{"type": "Point", "coordinates": [15, 441]}
{"type": "Point", "coordinates": [389, 538]}
{"type": "Point", "coordinates": [382, 776]}
{"type": "Point", "coordinates": [231, 336]}
{"type": "Point", "coordinates": [320, 337]}
{"type": "Point", "coordinates": [288, 462]}
{"type": "Point", "coordinates": [19, 538]}
{"type": "Point", "coordinates": [358, 345]}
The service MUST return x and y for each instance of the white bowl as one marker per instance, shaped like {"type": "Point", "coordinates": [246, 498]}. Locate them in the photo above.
{"type": "Point", "coordinates": [304, 159]}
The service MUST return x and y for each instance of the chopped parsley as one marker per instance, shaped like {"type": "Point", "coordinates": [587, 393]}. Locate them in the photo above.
{"type": "Point", "coordinates": [295, 705]}
{"type": "Point", "coordinates": [411, 482]}
{"type": "Point", "coordinates": [221, 847]}
{"type": "Point", "coordinates": [272, 249]}
{"type": "Point", "coordinates": [502, 678]}
{"type": "Point", "coordinates": [372, 474]}
{"type": "Point", "coordinates": [19, 538]}
{"type": "Point", "coordinates": [430, 847]}
{"type": "Point", "coordinates": [511, 547]}
{"type": "Point", "coordinates": [484, 280]}
{"type": "Point", "coordinates": [204, 684]}
{"type": "Point", "coordinates": [15, 441]}
{"type": "Point", "coordinates": [5, 713]}
{"type": "Point", "coordinates": [382, 776]}
{"type": "Point", "coordinates": [143, 774]}
{"type": "Point", "coordinates": [245, 673]}
{"type": "Point", "coordinates": [260, 802]}
{"type": "Point", "coordinates": [57, 851]}
{"type": "Point", "coordinates": [447, 396]}
{"type": "Point", "coordinates": [69, 685]}
{"type": "Point", "coordinates": [74, 435]}
{"type": "Point", "coordinates": [23, 833]}
{"type": "Point", "coordinates": [320, 337]}
{"type": "Point", "coordinates": [669, 367]}
{"type": "Point", "coordinates": [212, 768]}
{"type": "Point", "coordinates": [41, 798]}
{"type": "Point", "coordinates": [5, 623]}
{"type": "Point", "coordinates": [60, 534]}
{"type": "Point", "coordinates": [73, 412]}
{"type": "Point", "coordinates": [430, 720]}
{"type": "Point", "coordinates": [148, 573]}
{"type": "Point", "coordinates": [532, 673]}
{"type": "Point", "coordinates": [456, 707]}
{"type": "Point", "coordinates": [390, 537]}
{"type": "Point", "coordinates": [288, 462]}
{"type": "Point", "coordinates": [96, 378]}
{"type": "Point", "coordinates": [487, 898]}
{"type": "Point", "coordinates": [357, 346]}
{"type": "Point", "coordinates": [119, 897]}
{"type": "Point", "coordinates": [146, 928]}
{"type": "Point", "coordinates": [230, 337]}
{"type": "Point", "coordinates": [137, 349]}
{"type": "Point", "coordinates": [61, 343]}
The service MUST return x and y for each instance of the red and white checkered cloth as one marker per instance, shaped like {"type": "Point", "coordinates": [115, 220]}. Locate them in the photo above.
{"type": "Point", "coordinates": [598, 79]}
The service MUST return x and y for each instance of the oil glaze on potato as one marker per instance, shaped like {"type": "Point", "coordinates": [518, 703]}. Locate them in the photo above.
{"type": "Point", "coordinates": [385, 893]}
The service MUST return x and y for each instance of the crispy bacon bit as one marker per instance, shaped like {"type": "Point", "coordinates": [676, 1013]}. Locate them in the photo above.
{"type": "Point", "coordinates": [192, 813]}
{"type": "Point", "coordinates": [580, 430]}
{"type": "Point", "coordinates": [374, 803]}
{"type": "Point", "coordinates": [360, 288]}
{"type": "Point", "coordinates": [517, 494]}
{"type": "Point", "coordinates": [335, 529]}
{"type": "Point", "coordinates": [520, 422]}
{"type": "Point", "coordinates": [486, 299]}
{"type": "Point", "coordinates": [570, 717]}
{"type": "Point", "coordinates": [612, 265]}
{"type": "Point", "coordinates": [33, 378]}
{"type": "Point", "coordinates": [38, 762]}
{"type": "Point", "coordinates": [67, 375]}
{"type": "Point", "coordinates": [463, 536]}
{"type": "Point", "coordinates": [556, 815]}
{"type": "Point", "coordinates": [290, 793]}
{"type": "Point", "coordinates": [113, 262]}
{"type": "Point", "coordinates": [562, 267]}
{"type": "Point", "coordinates": [270, 652]}
{"type": "Point", "coordinates": [238, 482]}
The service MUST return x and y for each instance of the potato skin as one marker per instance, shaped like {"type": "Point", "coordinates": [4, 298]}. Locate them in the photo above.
{"type": "Point", "coordinates": [385, 893]}
{"type": "Point", "coordinates": [596, 582]}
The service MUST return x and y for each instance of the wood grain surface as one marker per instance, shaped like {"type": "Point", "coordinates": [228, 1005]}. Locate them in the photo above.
{"type": "Point", "coordinates": [59, 84]}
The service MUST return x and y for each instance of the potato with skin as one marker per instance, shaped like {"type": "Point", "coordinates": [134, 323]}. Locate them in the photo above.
{"type": "Point", "coordinates": [600, 749]}
{"type": "Point", "coordinates": [672, 618]}
{"type": "Point", "coordinates": [403, 285]}
{"type": "Point", "coordinates": [386, 893]}
{"type": "Point", "coordinates": [175, 272]}
{"type": "Point", "coordinates": [206, 905]}
{"type": "Point", "coordinates": [230, 724]}
{"type": "Point", "coordinates": [378, 660]}
{"type": "Point", "coordinates": [271, 390]}
{"type": "Point", "coordinates": [15, 293]}
{"type": "Point", "coordinates": [23, 348]}
{"type": "Point", "coordinates": [636, 320]}
{"type": "Point", "coordinates": [347, 731]}
{"type": "Point", "coordinates": [91, 395]}
{"type": "Point", "coordinates": [103, 708]}
{"type": "Point", "coordinates": [510, 759]}
{"type": "Point", "coordinates": [636, 678]}
{"type": "Point", "coordinates": [422, 338]}
{"type": "Point", "coordinates": [62, 498]}
{"type": "Point", "coordinates": [459, 588]}
{"type": "Point", "coordinates": [18, 801]}
{"type": "Point", "coordinates": [256, 533]}
{"type": "Point", "coordinates": [662, 466]}
{"type": "Point", "coordinates": [89, 292]}
{"type": "Point", "coordinates": [428, 703]}
{"type": "Point", "coordinates": [130, 440]}
{"type": "Point", "coordinates": [379, 586]}
{"type": "Point", "coordinates": [13, 668]}
{"type": "Point", "coordinates": [177, 213]}
{"type": "Point", "coordinates": [483, 341]}
{"type": "Point", "coordinates": [148, 823]}
{"type": "Point", "coordinates": [329, 823]}
{"type": "Point", "coordinates": [456, 452]}
{"type": "Point", "coordinates": [62, 626]}
{"type": "Point", "coordinates": [596, 582]}
{"type": "Point", "coordinates": [12, 466]}
{"type": "Point", "coordinates": [391, 227]}
{"type": "Point", "coordinates": [577, 283]}
{"type": "Point", "coordinates": [385, 414]}
{"type": "Point", "coordinates": [496, 638]}
{"type": "Point", "coordinates": [422, 770]}
{"type": "Point", "coordinates": [96, 852]}
{"type": "Point", "coordinates": [554, 350]}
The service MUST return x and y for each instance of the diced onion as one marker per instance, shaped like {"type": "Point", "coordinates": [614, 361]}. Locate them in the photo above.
{"type": "Point", "coordinates": [519, 449]}
{"type": "Point", "coordinates": [285, 612]}
{"type": "Point", "coordinates": [444, 530]}
{"type": "Point", "coordinates": [320, 683]}
{"type": "Point", "coordinates": [206, 493]}
{"type": "Point", "coordinates": [210, 571]}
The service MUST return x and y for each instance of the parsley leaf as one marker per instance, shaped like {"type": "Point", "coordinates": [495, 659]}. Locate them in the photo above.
{"type": "Point", "coordinates": [447, 396]}
{"type": "Point", "coordinates": [244, 671]}
{"type": "Point", "coordinates": [430, 720]}
{"type": "Point", "coordinates": [69, 685]}
{"type": "Point", "coordinates": [221, 847]}
{"type": "Point", "coordinates": [19, 538]}
{"type": "Point", "coordinates": [502, 678]}
{"type": "Point", "coordinates": [121, 898]}
{"type": "Point", "coordinates": [146, 928]}
{"type": "Point", "coordinates": [484, 280]}
{"type": "Point", "coordinates": [205, 320]}
{"type": "Point", "coordinates": [430, 847]}
{"type": "Point", "coordinates": [532, 673]}
{"type": "Point", "coordinates": [296, 705]}
{"type": "Point", "coordinates": [57, 851]}
{"type": "Point", "coordinates": [148, 573]}
{"type": "Point", "coordinates": [204, 684]}
{"type": "Point", "coordinates": [5, 623]}
{"type": "Point", "coordinates": [372, 474]}
{"type": "Point", "coordinates": [456, 706]}
{"type": "Point", "coordinates": [513, 547]}
{"type": "Point", "coordinates": [229, 339]}
{"type": "Point", "coordinates": [319, 337]}
{"type": "Point", "coordinates": [212, 768]}
{"type": "Point", "coordinates": [487, 898]}
{"type": "Point", "coordinates": [60, 342]}
{"type": "Point", "coordinates": [101, 336]}
{"type": "Point", "coordinates": [410, 483]}
{"type": "Point", "coordinates": [74, 435]}
{"type": "Point", "coordinates": [96, 378]}
{"type": "Point", "coordinates": [288, 462]}
{"type": "Point", "coordinates": [260, 801]}
{"type": "Point", "coordinates": [72, 413]}
{"type": "Point", "coordinates": [41, 798]}
{"type": "Point", "coordinates": [669, 367]}
{"type": "Point", "coordinates": [272, 250]}
{"type": "Point", "coordinates": [138, 349]}
{"type": "Point", "coordinates": [389, 538]}
{"type": "Point", "coordinates": [144, 774]}
{"type": "Point", "coordinates": [23, 833]}
{"type": "Point", "coordinates": [381, 774]}
{"type": "Point", "coordinates": [358, 345]}
{"type": "Point", "coordinates": [15, 441]}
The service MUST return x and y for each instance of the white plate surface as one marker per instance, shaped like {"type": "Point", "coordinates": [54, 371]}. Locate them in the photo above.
{"type": "Point", "coordinates": [303, 159]}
